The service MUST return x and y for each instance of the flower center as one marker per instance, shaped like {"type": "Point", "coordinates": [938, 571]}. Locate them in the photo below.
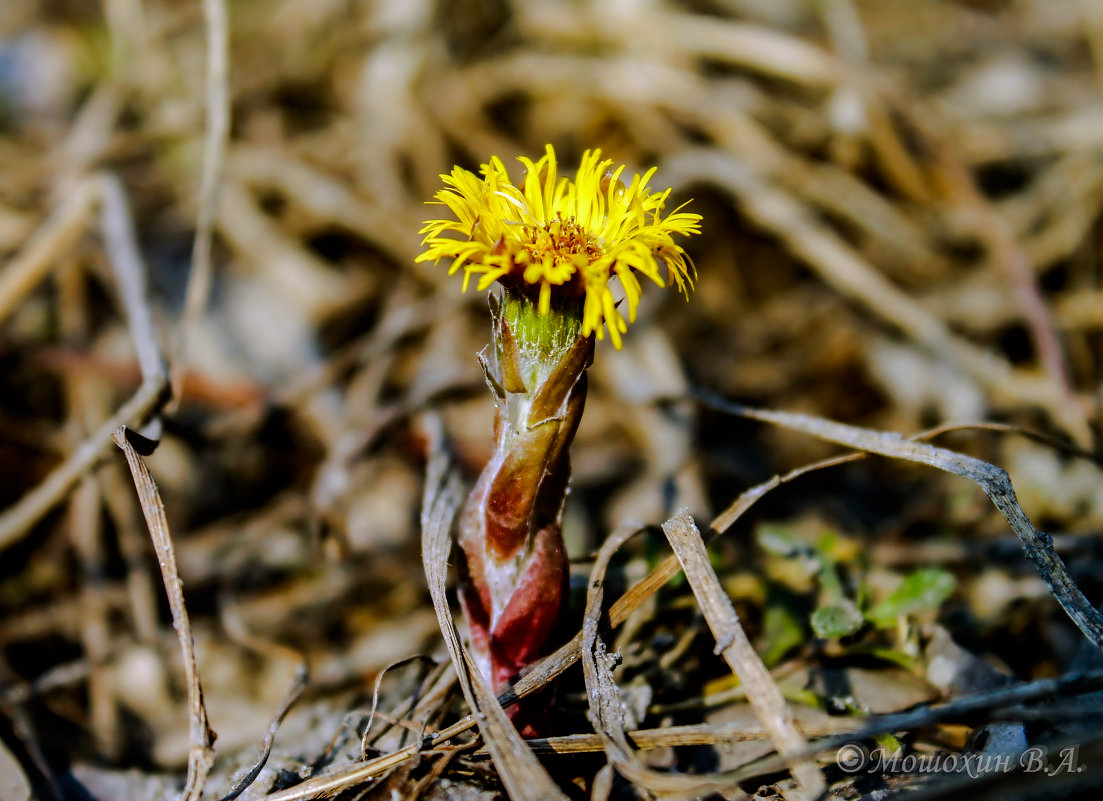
{"type": "Point", "coordinates": [569, 246]}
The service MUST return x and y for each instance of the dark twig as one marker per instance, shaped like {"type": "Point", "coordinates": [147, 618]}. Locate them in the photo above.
{"type": "Point", "coordinates": [992, 479]}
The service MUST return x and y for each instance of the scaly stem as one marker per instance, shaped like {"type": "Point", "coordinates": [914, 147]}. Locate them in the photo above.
{"type": "Point", "coordinates": [515, 572]}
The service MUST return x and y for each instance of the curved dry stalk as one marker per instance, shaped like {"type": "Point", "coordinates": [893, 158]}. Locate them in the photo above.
{"type": "Point", "coordinates": [732, 641]}
{"type": "Point", "coordinates": [31, 266]}
{"type": "Point", "coordinates": [200, 752]}
{"type": "Point", "coordinates": [606, 708]}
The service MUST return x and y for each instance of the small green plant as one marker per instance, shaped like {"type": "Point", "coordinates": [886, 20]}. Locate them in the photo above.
{"type": "Point", "coordinates": [840, 614]}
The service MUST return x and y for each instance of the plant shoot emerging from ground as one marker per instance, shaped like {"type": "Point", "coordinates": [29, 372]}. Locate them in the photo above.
{"type": "Point", "coordinates": [549, 246]}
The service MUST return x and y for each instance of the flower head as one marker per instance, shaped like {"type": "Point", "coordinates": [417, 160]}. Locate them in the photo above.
{"type": "Point", "coordinates": [559, 240]}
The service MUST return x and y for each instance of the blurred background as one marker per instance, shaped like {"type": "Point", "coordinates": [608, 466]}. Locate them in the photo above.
{"type": "Point", "coordinates": [902, 228]}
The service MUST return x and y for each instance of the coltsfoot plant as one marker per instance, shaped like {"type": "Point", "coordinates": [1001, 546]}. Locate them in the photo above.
{"type": "Point", "coordinates": [547, 249]}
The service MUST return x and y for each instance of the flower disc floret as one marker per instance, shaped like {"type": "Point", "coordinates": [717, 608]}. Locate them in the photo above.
{"type": "Point", "coordinates": [561, 240]}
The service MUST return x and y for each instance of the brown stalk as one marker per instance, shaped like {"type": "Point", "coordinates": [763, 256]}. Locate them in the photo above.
{"type": "Point", "coordinates": [200, 752]}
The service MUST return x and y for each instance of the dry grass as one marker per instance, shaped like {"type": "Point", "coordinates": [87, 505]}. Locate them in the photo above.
{"type": "Point", "coordinates": [208, 218]}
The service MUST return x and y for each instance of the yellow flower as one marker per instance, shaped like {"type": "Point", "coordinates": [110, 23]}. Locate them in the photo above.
{"type": "Point", "coordinates": [552, 237]}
